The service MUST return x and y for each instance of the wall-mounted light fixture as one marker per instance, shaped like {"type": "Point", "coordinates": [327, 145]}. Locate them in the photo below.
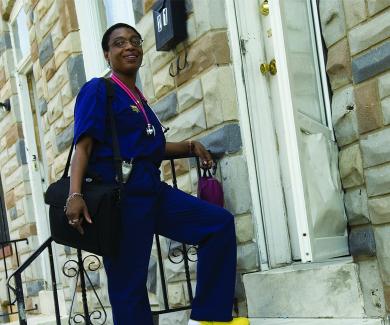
{"type": "Point", "coordinates": [6, 106]}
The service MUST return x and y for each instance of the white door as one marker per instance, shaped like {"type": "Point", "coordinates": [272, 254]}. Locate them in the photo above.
{"type": "Point", "coordinates": [34, 159]}
{"type": "Point", "coordinates": [284, 37]}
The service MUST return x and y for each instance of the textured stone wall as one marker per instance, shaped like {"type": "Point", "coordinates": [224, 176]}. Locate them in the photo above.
{"type": "Point", "coordinates": [13, 164]}
{"type": "Point", "coordinates": [356, 33]}
{"type": "Point", "coordinates": [57, 68]}
{"type": "Point", "coordinates": [199, 103]}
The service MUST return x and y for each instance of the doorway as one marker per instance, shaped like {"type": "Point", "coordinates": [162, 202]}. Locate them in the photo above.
{"type": "Point", "coordinates": [278, 60]}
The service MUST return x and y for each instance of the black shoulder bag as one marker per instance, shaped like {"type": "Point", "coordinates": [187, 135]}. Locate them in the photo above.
{"type": "Point", "coordinates": [102, 236]}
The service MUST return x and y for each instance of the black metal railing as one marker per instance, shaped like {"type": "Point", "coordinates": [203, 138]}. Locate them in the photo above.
{"type": "Point", "coordinates": [17, 289]}
{"type": "Point", "coordinates": [9, 251]}
{"type": "Point", "coordinates": [79, 268]}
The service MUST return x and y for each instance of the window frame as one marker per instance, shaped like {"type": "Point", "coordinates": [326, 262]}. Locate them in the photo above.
{"type": "Point", "coordinates": [18, 6]}
{"type": "Point", "coordinates": [321, 55]}
{"type": "Point", "coordinates": [90, 29]}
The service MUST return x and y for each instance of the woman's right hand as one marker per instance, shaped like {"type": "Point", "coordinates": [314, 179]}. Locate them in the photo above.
{"type": "Point", "coordinates": [76, 211]}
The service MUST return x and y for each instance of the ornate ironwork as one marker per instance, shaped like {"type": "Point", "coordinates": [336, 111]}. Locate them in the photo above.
{"type": "Point", "coordinates": [78, 269]}
{"type": "Point", "coordinates": [177, 254]}
{"type": "Point", "coordinates": [11, 247]}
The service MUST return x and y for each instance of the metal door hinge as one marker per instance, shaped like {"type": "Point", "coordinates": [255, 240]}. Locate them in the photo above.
{"type": "Point", "coordinates": [242, 46]}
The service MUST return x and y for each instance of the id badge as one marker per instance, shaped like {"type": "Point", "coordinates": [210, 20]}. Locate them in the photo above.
{"type": "Point", "coordinates": [127, 166]}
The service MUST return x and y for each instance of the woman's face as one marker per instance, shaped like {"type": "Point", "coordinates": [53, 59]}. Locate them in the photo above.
{"type": "Point", "coordinates": [124, 55]}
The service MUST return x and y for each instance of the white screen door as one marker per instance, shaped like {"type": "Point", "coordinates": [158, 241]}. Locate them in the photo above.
{"type": "Point", "coordinates": [285, 35]}
{"type": "Point", "coordinates": [316, 215]}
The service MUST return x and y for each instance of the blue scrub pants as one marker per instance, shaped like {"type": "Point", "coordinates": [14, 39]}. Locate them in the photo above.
{"type": "Point", "coordinates": [150, 206]}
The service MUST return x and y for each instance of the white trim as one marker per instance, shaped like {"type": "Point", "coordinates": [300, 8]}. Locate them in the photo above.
{"type": "Point", "coordinates": [259, 131]}
{"type": "Point", "coordinates": [15, 10]}
{"type": "Point", "coordinates": [24, 65]}
{"type": "Point", "coordinates": [39, 207]}
{"type": "Point", "coordinates": [321, 60]}
{"type": "Point", "coordinates": [91, 32]}
{"type": "Point", "coordinates": [246, 133]}
{"type": "Point", "coordinates": [18, 6]}
{"type": "Point", "coordinates": [123, 12]}
{"type": "Point", "coordinates": [289, 134]}
{"type": "Point", "coordinates": [90, 27]}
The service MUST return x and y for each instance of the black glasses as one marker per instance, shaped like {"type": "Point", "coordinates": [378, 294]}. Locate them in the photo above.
{"type": "Point", "coordinates": [136, 41]}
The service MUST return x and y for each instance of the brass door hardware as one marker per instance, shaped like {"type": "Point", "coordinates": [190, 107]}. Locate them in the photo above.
{"type": "Point", "coordinates": [264, 8]}
{"type": "Point", "coordinates": [271, 67]}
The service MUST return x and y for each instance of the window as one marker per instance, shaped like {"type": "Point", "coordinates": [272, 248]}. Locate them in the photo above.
{"type": "Point", "coordinates": [302, 59]}
{"type": "Point", "coordinates": [20, 35]}
{"type": "Point", "coordinates": [107, 14]}
{"type": "Point", "coordinates": [94, 17]}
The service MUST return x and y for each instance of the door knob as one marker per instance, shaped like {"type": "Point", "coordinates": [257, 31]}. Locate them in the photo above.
{"type": "Point", "coordinates": [271, 67]}
{"type": "Point", "coordinates": [264, 8]}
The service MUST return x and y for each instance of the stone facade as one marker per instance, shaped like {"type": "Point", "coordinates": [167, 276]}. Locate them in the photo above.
{"type": "Point", "coordinates": [357, 38]}
{"type": "Point", "coordinates": [200, 102]}
{"type": "Point", "coordinates": [56, 66]}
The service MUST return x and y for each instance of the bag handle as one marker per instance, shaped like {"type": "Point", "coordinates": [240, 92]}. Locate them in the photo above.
{"type": "Point", "coordinates": [207, 173]}
{"type": "Point", "coordinates": [116, 151]}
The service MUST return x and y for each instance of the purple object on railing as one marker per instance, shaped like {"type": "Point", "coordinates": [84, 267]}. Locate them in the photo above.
{"type": "Point", "coordinates": [210, 189]}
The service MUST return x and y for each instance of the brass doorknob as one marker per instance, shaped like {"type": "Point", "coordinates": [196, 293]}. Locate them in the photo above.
{"type": "Point", "coordinates": [264, 8]}
{"type": "Point", "coordinates": [271, 67]}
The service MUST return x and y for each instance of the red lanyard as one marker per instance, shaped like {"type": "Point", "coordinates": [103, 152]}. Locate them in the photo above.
{"type": "Point", "coordinates": [149, 128]}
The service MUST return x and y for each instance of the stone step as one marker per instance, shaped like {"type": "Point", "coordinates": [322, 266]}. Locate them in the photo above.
{"type": "Point", "coordinates": [46, 314]}
{"type": "Point", "coordinates": [311, 290]}
{"type": "Point", "coordinates": [313, 321]}
{"type": "Point", "coordinates": [41, 320]}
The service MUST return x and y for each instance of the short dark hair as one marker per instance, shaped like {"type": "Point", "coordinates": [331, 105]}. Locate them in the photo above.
{"type": "Point", "coordinates": [108, 32]}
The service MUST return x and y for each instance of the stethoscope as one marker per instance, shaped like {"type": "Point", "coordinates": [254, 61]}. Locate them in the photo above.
{"type": "Point", "coordinates": [150, 130]}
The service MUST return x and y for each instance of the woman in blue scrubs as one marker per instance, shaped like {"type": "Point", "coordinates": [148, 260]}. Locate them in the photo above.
{"type": "Point", "coordinates": [148, 205]}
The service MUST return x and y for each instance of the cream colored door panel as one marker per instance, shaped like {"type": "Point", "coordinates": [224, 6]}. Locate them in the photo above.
{"type": "Point", "coordinates": [263, 133]}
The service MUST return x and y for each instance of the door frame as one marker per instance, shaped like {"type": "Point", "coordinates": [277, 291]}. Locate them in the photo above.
{"type": "Point", "coordinates": [278, 117]}
{"type": "Point", "coordinates": [23, 67]}
{"type": "Point", "coordinates": [260, 143]}
{"type": "Point", "coordinates": [268, 166]}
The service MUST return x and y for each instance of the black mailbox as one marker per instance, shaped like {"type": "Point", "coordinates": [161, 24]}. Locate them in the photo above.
{"type": "Point", "coordinates": [170, 23]}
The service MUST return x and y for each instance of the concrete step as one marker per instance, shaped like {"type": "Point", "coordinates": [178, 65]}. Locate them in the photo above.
{"type": "Point", "coordinates": [46, 314]}
{"type": "Point", "coordinates": [313, 321]}
{"type": "Point", "coordinates": [41, 320]}
{"type": "Point", "coordinates": [329, 290]}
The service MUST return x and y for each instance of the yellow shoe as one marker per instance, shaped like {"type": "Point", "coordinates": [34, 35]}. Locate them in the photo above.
{"type": "Point", "coordinates": [235, 321]}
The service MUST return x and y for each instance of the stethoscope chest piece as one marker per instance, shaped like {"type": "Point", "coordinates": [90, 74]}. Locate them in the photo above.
{"type": "Point", "coordinates": [150, 130]}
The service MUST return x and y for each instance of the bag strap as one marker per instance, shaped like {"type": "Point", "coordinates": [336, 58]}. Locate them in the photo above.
{"type": "Point", "coordinates": [115, 143]}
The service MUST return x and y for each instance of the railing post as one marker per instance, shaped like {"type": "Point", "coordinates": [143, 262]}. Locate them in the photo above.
{"type": "Point", "coordinates": [162, 273]}
{"type": "Point", "coordinates": [54, 285]}
{"type": "Point", "coordinates": [6, 273]}
{"type": "Point", "coordinates": [83, 288]}
{"type": "Point", "coordinates": [188, 274]}
{"type": "Point", "coordinates": [20, 299]}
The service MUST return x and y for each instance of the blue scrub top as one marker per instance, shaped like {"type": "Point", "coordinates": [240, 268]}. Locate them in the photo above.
{"type": "Point", "coordinates": [91, 118]}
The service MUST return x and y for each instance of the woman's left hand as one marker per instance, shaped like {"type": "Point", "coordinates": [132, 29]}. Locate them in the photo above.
{"type": "Point", "coordinates": [199, 150]}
